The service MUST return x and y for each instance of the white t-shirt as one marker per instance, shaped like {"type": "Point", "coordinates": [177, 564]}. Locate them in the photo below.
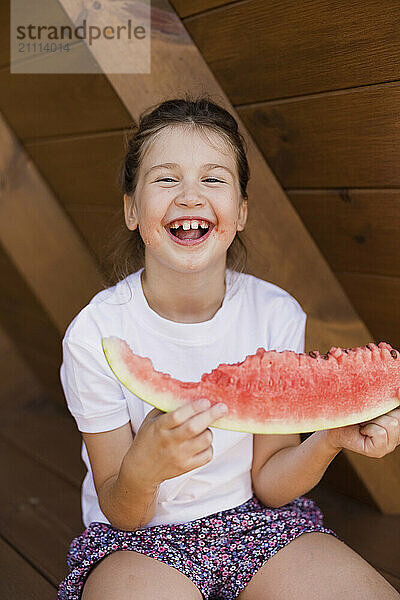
{"type": "Point", "coordinates": [254, 313]}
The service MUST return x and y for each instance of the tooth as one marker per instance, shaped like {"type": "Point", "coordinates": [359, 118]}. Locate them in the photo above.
{"type": "Point", "coordinates": [174, 225]}
{"type": "Point", "coordinates": [186, 225]}
{"type": "Point", "coordinates": [204, 224]}
{"type": "Point", "coordinates": [194, 224]}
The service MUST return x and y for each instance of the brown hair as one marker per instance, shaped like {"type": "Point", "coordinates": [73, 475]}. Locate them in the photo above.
{"type": "Point", "coordinates": [125, 250]}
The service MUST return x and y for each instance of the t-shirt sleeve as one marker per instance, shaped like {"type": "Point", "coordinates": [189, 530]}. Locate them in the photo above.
{"type": "Point", "coordinates": [289, 326]}
{"type": "Point", "coordinates": [93, 394]}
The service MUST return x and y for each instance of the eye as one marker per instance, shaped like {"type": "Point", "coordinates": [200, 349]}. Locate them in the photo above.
{"type": "Point", "coordinates": [208, 179]}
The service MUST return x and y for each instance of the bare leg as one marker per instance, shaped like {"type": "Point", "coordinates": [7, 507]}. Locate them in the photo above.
{"type": "Point", "coordinates": [129, 575]}
{"type": "Point", "coordinates": [317, 566]}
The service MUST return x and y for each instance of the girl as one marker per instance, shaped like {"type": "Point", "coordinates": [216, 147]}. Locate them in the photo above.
{"type": "Point", "coordinates": [174, 508]}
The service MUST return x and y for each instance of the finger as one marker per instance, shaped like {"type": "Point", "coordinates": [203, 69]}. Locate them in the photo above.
{"type": "Point", "coordinates": [392, 426]}
{"type": "Point", "coordinates": [201, 421]}
{"type": "Point", "coordinates": [202, 458]}
{"type": "Point", "coordinates": [181, 414]}
{"type": "Point", "coordinates": [154, 412]}
{"type": "Point", "coordinates": [389, 423]}
{"type": "Point", "coordinates": [380, 440]}
{"type": "Point", "coordinates": [200, 442]}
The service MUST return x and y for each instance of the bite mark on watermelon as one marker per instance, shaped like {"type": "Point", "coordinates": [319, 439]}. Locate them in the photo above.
{"type": "Point", "coordinates": [276, 392]}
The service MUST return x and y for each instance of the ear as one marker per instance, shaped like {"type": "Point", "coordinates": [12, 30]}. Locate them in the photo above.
{"type": "Point", "coordinates": [130, 212]}
{"type": "Point", "coordinates": [242, 217]}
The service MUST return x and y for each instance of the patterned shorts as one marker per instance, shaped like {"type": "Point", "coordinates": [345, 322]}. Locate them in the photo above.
{"type": "Point", "coordinates": [220, 552]}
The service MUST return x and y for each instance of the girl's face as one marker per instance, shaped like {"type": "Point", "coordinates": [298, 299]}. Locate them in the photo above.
{"type": "Point", "coordinates": [200, 180]}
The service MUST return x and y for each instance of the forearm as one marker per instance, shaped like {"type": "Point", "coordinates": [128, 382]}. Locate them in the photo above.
{"type": "Point", "coordinates": [293, 471]}
{"type": "Point", "coordinates": [128, 502]}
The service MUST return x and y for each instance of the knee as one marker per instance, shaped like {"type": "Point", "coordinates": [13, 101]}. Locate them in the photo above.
{"type": "Point", "coordinates": [112, 577]}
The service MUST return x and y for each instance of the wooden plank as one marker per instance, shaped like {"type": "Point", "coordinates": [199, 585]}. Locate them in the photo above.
{"type": "Point", "coordinates": [186, 9]}
{"type": "Point", "coordinates": [40, 512]}
{"type": "Point", "coordinates": [262, 49]}
{"type": "Point", "coordinates": [274, 229]}
{"type": "Point", "coordinates": [36, 105]}
{"type": "Point", "coordinates": [28, 325]}
{"type": "Point", "coordinates": [96, 223]}
{"type": "Point", "coordinates": [380, 308]}
{"type": "Point", "coordinates": [382, 478]}
{"type": "Point", "coordinates": [40, 239]}
{"type": "Point", "coordinates": [45, 431]}
{"type": "Point", "coordinates": [341, 139]}
{"type": "Point", "coordinates": [89, 106]}
{"type": "Point", "coordinates": [91, 198]}
{"type": "Point", "coordinates": [19, 579]}
{"type": "Point", "coordinates": [17, 379]}
{"type": "Point", "coordinates": [5, 37]}
{"type": "Point", "coordinates": [357, 230]}
{"type": "Point", "coordinates": [340, 477]}
{"type": "Point", "coordinates": [33, 421]}
{"type": "Point", "coordinates": [94, 161]}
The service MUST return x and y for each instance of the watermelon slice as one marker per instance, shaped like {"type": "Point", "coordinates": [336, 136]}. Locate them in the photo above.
{"type": "Point", "coordinates": [272, 391]}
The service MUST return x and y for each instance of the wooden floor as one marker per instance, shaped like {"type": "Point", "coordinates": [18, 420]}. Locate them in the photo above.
{"type": "Point", "coordinates": [40, 504]}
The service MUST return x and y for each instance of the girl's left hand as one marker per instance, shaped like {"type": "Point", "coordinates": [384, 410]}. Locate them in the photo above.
{"type": "Point", "coordinates": [374, 438]}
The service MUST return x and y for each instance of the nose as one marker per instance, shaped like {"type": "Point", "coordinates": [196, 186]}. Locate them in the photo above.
{"type": "Point", "coordinates": [190, 197]}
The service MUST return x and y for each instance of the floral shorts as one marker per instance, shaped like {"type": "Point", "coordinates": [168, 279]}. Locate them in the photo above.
{"type": "Point", "coordinates": [220, 552]}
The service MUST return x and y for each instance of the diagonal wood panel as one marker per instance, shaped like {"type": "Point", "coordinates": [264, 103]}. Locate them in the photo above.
{"type": "Point", "coordinates": [28, 325]}
{"type": "Point", "coordinates": [47, 272]}
{"type": "Point", "coordinates": [280, 248]}
{"type": "Point", "coordinates": [41, 241]}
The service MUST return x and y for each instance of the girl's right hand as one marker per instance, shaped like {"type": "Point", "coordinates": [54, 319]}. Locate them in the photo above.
{"type": "Point", "coordinates": [170, 444]}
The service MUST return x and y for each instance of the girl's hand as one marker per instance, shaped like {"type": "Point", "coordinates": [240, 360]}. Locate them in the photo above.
{"type": "Point", "coordinates": [170, 444]}
{"type": "Point", "coordinates": [374, 438]}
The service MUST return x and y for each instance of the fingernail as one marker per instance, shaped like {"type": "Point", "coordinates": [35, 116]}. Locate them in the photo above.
{"type": "Point", "coordinates": [222, 407]}
{"type": "Point", "coordinates": [204, 403]}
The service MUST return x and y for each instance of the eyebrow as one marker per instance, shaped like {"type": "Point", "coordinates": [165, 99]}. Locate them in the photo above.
{"type": "Point", "coordinates": [175, 165]}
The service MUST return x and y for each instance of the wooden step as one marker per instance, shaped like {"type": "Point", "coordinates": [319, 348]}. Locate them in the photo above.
{"type": "Point", "coordinates": [373, 535]}
{"type": "Point", "coordinates": [40, 511]}
{"type": "Point", "coordinates": [21, 580]}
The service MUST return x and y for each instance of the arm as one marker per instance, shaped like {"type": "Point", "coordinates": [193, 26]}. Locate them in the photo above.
{"type": "Point", "coordinates": [125, 493]}
{"type": "Point", "coordinates": [293, 471]}
{"type": "Point", "coordinates": [126, 496]}
{"type": "Point", "coordinates": [129, 502]}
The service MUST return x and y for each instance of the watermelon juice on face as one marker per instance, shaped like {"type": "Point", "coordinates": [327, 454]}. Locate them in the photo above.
{"type": "Point", "coordinates": [187, 206]}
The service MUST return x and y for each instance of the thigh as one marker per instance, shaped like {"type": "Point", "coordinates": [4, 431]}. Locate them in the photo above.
{"type": "Point", "coordinates": [317, 566]}
{"type": "Point", "coordinates": [129, 575]}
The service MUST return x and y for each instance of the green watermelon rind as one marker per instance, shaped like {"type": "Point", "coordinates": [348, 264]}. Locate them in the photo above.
{"type": "Point", "coordinates": [167, 402]}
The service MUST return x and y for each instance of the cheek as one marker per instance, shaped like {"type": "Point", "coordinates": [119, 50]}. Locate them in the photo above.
{"type": "Point", "coordinates": [226, 234]}
{"type": "Point", "coordinates": [151, 235]}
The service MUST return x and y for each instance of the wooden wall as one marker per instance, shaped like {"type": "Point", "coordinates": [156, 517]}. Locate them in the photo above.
{"type": "Point", "coordinates": [317, 85]}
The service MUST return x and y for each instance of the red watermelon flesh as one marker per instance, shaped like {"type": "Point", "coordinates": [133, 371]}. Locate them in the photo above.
{"type": "Point", "coordinates": [275, 392]}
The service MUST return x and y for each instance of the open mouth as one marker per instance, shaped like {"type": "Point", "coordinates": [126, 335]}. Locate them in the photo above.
{"type": "Point", "coordinates": [189, 234]}
{"type": "Point", "coordinates": [189, 237]}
